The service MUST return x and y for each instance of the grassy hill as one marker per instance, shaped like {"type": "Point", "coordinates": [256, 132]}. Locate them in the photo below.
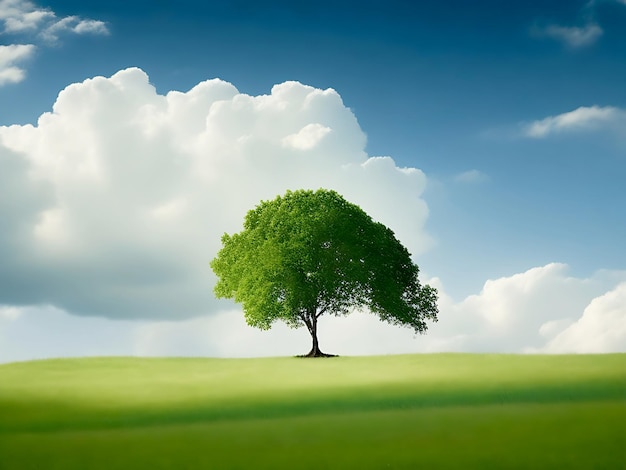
{"type": "Point", "coordinates": [411, 411]}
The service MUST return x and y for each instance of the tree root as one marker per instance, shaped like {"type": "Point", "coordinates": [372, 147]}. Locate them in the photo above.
{"type": "Point", "coordinates": [317, 354]}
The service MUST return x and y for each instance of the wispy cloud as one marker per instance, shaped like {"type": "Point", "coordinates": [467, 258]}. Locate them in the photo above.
{"type": "Point", "coordinates": [24, 17]}
{"type": "Point", "coordinates": [583, 118]}
{"type": "Point", "coordinates": [9, 56]}
{"type": "Point", "coordinates": [73, 24]}
{"type": "Point", "coordinates": [572, 36]}
{"type": "Point", "coordinates": [35, 24]}
{"type": "Point", "coordinates": [471, 176]}
{"type": "Point", "coordinates": [586, 33]}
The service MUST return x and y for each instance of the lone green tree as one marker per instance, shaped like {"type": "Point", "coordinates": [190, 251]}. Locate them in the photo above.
{"type": "Point", "coordinates": [312, 253]}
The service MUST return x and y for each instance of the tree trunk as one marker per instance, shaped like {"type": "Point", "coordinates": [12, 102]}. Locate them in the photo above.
{"type": "Point", "coordinates": [315, 349]}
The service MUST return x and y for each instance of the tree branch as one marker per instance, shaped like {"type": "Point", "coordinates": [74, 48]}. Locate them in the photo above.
{"type": "Point", "coordinates": [307, 322]}
{"type": "Point", "coordinates": [321, 312]}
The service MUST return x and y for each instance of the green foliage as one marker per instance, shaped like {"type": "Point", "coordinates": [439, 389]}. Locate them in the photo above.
{"type": "Point", "coordinates": [309, 253]}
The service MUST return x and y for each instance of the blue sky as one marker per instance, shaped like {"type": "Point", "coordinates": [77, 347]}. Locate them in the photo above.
{"type": "Point", "coordinates": [515, 112]}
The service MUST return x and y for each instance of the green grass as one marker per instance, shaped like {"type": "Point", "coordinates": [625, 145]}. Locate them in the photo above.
{"type": "Point", "coordinates": [413, 411]}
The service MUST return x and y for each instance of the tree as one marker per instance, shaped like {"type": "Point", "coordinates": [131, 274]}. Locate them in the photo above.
{"type": "Point", "coordinates": [312, 253]}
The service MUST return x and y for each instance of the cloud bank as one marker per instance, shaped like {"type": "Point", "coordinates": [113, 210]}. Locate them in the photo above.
{"type": "Point", "coordinates": [542, 310]}
{"type": "Point", "coordinates": [116, 200]}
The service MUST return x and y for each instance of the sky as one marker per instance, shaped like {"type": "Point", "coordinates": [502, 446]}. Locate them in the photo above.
{"type": "Point", "coordinates": [489, 136]}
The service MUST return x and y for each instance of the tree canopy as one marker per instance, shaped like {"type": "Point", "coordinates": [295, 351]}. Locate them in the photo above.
{"type": "Point", "coordinates": [310, 253]}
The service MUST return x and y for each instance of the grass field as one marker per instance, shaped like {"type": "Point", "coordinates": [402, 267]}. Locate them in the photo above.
{"type": "Point", "coordinates": [413, 411]}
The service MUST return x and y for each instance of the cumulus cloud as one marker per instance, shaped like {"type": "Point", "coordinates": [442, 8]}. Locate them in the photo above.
{"type": "Point", "coordinates": [584, 118]}
{"type": "Point", "coordinates": [508, 313]}
{"type": "Point", "coordinates": [524, 312]}
{"type": "Point", "coordinates": [601, 329]}
{"type": "Point", "coordinates": [116, 200]}
{"type": "Point", "coordinates": [9, 55]}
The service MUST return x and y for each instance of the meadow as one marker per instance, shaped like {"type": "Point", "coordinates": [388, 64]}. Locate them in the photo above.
{"type": "Point", "coordinates": [397, 412]}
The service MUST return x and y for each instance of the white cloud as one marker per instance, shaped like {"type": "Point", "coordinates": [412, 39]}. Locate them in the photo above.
{"type": "Point", "coordinates": [572, 36]}
{"type": "Point", "coordinates": [73, 24]}
{"type": "Point", "coordinates": [9, 55]}
{"type": "Point", "coordinates": [601, 329]}
{"type": "Point", "coordinates": [518, 313]}
{"type": "Point", "coordinates": [115, 202]}
{"type": "Point", "coordinates": [508, 313]}
{"type": "Point", "coordinates": [581, 119]}
{"type": "Point", "coordinates": [90, 27]}
{"type": "Point", "coordinates": [23, 17]}
{"type": "Point", "coordinates": [20, 16]}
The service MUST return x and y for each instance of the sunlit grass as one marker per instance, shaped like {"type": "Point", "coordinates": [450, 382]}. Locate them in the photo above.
{"type": "Point", "coordinates": [444, 410]}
